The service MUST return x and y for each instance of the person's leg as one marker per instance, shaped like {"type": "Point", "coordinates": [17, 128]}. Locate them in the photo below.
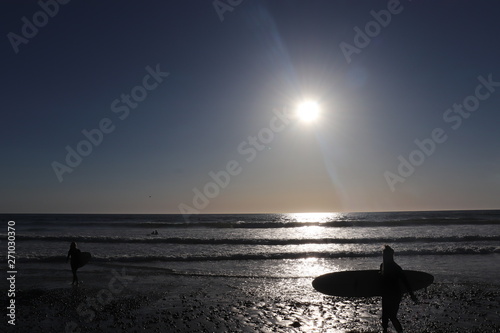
{"type": "Point", "coordinates": [397, 324]}
{"type": "Point", "coordinates": [385, 317]}
{"type": "Point", "coordinates": [75, 277]}
{"type": "Point", "coordinates": [385, 323]}
{"type": "Point", "coordinates": [394, 315]}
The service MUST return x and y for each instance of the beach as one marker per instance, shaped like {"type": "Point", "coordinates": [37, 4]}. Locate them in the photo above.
{"type": "Point", "coordinates": [250, 273]}
{"type": "Point", "coordinates": [157, 301]}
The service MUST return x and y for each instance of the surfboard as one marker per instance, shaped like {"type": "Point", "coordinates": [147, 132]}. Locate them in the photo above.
{"type": "Point", "coordinates": [365, 283]}
{"type": "Point", "coordinates": [83, 259]}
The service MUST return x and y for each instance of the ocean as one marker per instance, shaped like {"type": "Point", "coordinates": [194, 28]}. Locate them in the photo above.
{"type": "Point", "coordinates": [451, 245]}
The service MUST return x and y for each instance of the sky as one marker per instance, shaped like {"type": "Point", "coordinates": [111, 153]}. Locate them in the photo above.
{"type": "Point", "coordinates": [190, 106]}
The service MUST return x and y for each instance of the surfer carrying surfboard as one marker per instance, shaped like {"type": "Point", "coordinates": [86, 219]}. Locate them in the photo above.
{"type": "Point", "coordinates": [392, 274]}
{"type": "Point", "coordinates": [74, 253]}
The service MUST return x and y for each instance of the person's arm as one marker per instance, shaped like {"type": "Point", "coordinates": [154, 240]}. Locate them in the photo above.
{"type": "Point", "coordinates": [68, 255]}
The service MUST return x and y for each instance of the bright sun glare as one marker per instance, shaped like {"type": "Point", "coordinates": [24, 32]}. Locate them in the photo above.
{"type": "Point", "coordinates": [308, 111]}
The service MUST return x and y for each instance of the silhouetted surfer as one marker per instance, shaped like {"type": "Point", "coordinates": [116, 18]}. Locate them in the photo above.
{"type": "Point", "coordinates": [74, 253]}
{"type": "Point", "coordinates": [392, 273]}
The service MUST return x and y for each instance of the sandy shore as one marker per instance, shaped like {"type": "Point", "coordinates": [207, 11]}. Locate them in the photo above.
{"type": "Point", "coordinates": [130, 300]}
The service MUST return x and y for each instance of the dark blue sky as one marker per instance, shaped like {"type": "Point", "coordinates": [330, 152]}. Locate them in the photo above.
{"type": "Point", "coordinates": [224, 80]}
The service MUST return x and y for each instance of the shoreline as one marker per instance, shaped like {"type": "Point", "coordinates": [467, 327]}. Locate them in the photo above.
{"type": "Point", "coordinates": [137, 299]}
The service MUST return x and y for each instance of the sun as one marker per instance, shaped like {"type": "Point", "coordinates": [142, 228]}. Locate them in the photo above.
{"type": "Point", "coordinates": [308, 111]}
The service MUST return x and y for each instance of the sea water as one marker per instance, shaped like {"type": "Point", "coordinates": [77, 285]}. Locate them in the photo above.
{"type": "Point", "coordinates": [451, 245]}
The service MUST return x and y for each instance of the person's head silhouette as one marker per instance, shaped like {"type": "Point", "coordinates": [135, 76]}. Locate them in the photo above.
{"type": "Point", "coordinates": [388, 254]}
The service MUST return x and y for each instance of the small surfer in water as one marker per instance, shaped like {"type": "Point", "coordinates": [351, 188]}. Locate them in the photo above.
{"type": "Point", "coordinates": [392, 273]}
{"type": "Point", "coordinates": [74, 253]}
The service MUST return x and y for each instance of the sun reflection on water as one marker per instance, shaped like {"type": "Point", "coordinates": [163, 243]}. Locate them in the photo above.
{"type": "Point", "coordinates": [315, 217]}
{"type": "Point", "coordinates": [312, 267]}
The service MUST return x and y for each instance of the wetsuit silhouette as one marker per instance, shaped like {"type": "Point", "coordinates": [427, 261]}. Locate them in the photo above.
{"type": "Point", "coordinates": [392, 274]}
{"type": "Point", "coordinates": [74, 253]}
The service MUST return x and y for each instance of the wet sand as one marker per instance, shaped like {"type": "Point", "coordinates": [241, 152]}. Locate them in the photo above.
{"type": "Point", "coordinates": [131, 300]}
